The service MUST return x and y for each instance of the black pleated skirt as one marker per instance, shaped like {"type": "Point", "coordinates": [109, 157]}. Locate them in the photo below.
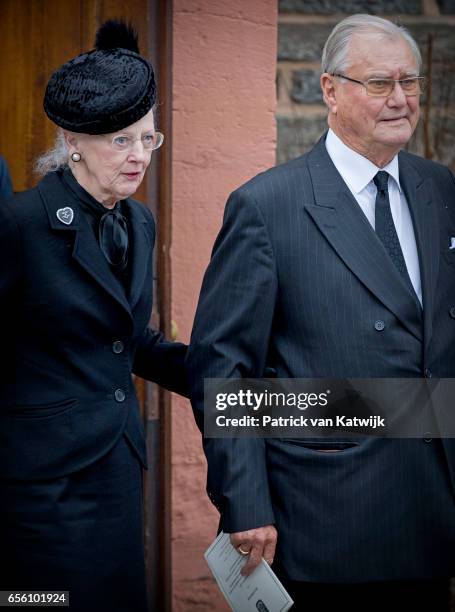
{"type": "Point", "coordinates": [81, 533]}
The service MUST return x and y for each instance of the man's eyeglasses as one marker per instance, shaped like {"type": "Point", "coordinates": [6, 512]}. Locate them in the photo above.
{"type": "Point", "coordinates": [411, 86]}
{"type": "Point", "coordinates": [150, 142]}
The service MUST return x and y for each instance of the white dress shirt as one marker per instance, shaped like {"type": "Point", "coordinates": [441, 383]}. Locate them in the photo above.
{"type": "Point", "coordinates": [358, 173]}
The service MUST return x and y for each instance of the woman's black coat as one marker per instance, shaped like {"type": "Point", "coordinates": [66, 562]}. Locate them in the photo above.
{"type": "Point", "coordinates": [71, 438]}
{"type": "Point", "coordinates": [72, 337]}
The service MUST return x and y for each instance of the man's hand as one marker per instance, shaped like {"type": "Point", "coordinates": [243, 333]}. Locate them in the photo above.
{"type": "Point", "coordinates": [257, 543]}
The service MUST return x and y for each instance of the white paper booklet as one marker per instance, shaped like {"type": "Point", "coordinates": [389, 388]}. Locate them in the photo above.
{"type": "Point", "coordinates": [259, 592]}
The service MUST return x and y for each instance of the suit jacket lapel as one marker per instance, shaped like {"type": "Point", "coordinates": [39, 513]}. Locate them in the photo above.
{"type": "Point", "coordinates": [141, 252]}
{"type": "Point", "coordinates": [343, 223]}
{"type": "Point", "coordinates": [420, 198]}
{"type": "Point", "coordinates": [86, 250]}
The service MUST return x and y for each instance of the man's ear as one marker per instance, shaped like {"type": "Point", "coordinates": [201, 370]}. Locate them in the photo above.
{"type": "Point", "coordinates": [329, 91]}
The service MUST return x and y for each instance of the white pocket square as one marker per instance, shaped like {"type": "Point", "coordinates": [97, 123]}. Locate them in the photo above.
{"type": "Point", "coordinates": [452, 243]}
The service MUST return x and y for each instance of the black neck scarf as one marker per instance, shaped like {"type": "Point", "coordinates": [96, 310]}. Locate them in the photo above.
{"type": "Point", "coordinates": [109, 224]}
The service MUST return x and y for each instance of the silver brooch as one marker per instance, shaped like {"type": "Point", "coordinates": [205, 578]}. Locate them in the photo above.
{"type": "Point", "coordinates": [65, 215]}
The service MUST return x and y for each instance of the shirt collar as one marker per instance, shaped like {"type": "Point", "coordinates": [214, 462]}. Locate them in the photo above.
{"type": "Point", "coordinates": [357, 171]}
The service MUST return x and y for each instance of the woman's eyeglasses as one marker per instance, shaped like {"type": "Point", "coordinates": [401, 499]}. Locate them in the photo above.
{"type": "Point", "coordinates": [150, 142]}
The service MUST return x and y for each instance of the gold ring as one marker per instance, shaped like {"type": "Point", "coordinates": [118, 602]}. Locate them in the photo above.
{"type": "Point", "coordinates": [243, 552]}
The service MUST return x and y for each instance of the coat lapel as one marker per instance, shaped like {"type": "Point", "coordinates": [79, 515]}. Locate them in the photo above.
{"type": "Point", "coordinates": [86, 250]}
{"type": "Point", "coordinates": [342, 222]}
{"type": "Point", "coordinates": [420, 198]}
{"type": "Point", "coordinates": [141, 251]}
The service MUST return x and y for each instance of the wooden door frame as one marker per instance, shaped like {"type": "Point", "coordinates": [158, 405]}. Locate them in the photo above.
{"type": "Point", "coordinates": [157, 401]}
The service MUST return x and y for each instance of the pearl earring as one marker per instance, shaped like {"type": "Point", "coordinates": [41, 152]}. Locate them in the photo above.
{"type": "Point", "coordinates": [76, 157]}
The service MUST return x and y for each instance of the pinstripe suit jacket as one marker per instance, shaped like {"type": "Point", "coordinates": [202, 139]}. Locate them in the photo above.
{"type": "Point", "coordinates": [296, 282]}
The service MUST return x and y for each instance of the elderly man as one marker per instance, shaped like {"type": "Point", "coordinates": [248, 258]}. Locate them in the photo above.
{"type": "Point", "coordinates": [339, 264]}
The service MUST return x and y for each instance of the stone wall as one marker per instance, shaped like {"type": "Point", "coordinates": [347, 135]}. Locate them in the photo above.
{"type": "Point", "coordinates": [303, 28]}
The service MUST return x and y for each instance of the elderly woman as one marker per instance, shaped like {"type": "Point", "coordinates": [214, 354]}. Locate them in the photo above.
{"type": "Point", "coordinates": [75, 300]}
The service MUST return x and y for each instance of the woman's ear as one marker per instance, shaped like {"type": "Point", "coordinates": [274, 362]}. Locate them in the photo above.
{"type": "Point", "coordinates": [72, 141]}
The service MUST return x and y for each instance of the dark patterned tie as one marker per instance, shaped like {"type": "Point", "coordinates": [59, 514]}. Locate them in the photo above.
{"type": "Point", "coordinates": [385, 227]}
{"type": "Point", "coordinates": [113, 238]}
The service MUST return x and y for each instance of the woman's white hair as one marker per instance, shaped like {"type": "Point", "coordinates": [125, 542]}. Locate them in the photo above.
{"type": "Point", "coordinates": [55, 158]}
{"type": "Point", "coordinates": [336, 48]}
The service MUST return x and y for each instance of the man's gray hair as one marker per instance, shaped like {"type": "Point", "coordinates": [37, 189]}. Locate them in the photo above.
{"type": "Point", "coordinates": [55, 158]}
{"type": "Point", "coordinates": [336, 48]}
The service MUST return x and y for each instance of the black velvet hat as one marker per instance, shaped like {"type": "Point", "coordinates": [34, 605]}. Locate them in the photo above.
{"type": "Point", "coordinates": [104, 90]}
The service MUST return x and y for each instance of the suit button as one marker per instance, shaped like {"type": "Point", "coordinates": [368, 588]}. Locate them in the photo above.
{"type": "Point", "coordinates": [119, 395]}
{"type": "Point", "coordinates": [452, 312]}
{"type": "Point", "coordinates": [117, 347]}
{"type": "Point", "coordinates": [428, 373]}
{"type": "Point", "coordinates": [427, 437]}
{"type": "Point", "coordinates": [379, 325]}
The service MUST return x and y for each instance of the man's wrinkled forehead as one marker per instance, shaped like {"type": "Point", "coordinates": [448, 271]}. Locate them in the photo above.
{"type": "Point", "coordinates": [377, 50]}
